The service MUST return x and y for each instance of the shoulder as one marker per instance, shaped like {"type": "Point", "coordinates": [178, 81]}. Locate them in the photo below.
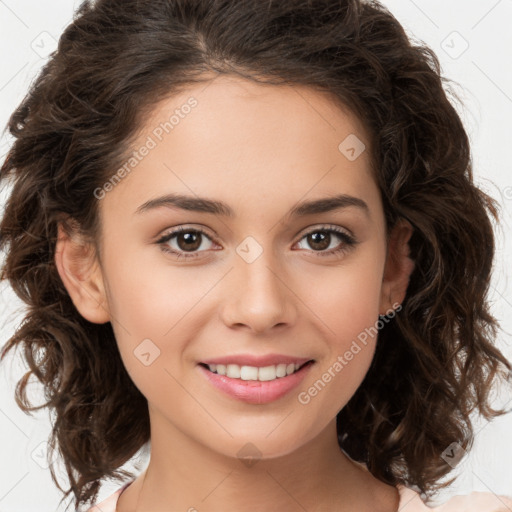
{"type": "Point", "coordinates": [410, 501]}
{"type": "Point", "coordinates": [109, 504]}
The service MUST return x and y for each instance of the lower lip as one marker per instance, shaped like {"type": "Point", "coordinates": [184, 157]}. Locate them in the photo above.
{"type": "Point", "coordinates": [255, 391]}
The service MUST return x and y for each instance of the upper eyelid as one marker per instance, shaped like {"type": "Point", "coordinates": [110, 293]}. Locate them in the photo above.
{"type": "Point", "coordinates": [326, 227]}
{"type": "Point", "coordinates": [305, 231]}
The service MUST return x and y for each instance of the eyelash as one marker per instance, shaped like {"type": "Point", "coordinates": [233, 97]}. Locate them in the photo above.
{"type": "Point", "coordinates": [348, 241]}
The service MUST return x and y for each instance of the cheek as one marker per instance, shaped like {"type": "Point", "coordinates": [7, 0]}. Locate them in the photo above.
{"type": "Point", "coordinates": [343, 366]}
{"type": "Point", "coordinates": [347, 299]}
{"type": "Point", "coordinates": [347, 304]}
{"type": "Point", "coordinates": [151, 300]}
{"type": "Point", "coordinates": [156, 311]}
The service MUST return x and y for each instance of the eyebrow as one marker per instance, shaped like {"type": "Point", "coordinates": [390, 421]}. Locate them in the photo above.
{"type": "Point", "coordinates": [205, 205]}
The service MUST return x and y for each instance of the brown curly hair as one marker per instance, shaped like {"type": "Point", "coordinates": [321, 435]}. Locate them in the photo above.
{"type": "Point", "coordinates": [434, 364]}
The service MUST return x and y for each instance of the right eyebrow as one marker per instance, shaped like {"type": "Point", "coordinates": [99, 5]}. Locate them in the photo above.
{"type": "Point", "coordinates": [206, 205]}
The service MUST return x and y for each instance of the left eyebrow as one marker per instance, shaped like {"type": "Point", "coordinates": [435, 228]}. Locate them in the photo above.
{"type": "Point", "coordinates": [205, 205]}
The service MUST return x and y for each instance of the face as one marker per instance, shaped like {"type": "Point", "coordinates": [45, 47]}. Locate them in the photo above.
{"type": "Point", "coordinates": [260, 276]}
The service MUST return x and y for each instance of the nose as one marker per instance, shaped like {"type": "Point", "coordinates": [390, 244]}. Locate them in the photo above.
{"type": "Point", "coordinates": [260, 296]}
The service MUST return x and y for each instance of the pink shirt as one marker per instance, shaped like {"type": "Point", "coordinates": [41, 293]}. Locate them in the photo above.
{"type": "Point", "coordinates": [410, 501]}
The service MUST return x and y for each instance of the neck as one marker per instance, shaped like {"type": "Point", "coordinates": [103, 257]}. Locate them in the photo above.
{"type": "Point", "coordinates": [185, 475]}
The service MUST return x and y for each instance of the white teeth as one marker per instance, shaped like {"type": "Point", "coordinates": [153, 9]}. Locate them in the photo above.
{"type": "Point", "coordinates": [264, 373]}
{"type": "Point", "coordinates": [249, 373]}
{"type": "Point", "coordinates": [267, 373]}
{"type": "Point", "coordinates": [233, 371]}
{"type": "Point", "coordinates": [281, 370]}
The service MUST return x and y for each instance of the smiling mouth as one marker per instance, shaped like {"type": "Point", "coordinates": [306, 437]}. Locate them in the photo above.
{"type": "Point", "coordinates": [256, 373]}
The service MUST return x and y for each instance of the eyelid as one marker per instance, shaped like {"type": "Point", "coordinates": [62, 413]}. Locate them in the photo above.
{"type": "Point", "coordinates": [185, 227]}
{"type": "Point", "coordinates": [202, 229]}
{"type": "Point", "coordinates": [320, 227]}
{"type": "Point", "coordinates": [349, 241]}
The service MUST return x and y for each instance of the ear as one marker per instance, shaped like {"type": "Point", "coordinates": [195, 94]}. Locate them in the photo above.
{"type": "Point", "coordinates": [81, 274]}
{"type": "Point", "coordinates": [398, 267]}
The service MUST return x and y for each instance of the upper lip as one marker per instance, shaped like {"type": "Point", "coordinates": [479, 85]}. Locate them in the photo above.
{"type": "Point", "coordinates": [260, 361]}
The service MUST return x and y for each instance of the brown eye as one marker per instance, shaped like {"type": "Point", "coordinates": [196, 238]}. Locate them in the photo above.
{"type": "Point", "coordinates": [320, 240]}
{"type": "Point", "coordinates": [187, 240]}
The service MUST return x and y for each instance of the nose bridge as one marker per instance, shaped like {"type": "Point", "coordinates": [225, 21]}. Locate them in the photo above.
{"type": "Point", "coordinates": [260, 297]}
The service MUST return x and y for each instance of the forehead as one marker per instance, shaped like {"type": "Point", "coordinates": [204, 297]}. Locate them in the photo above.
{"type": "Point", "coordinates": [234, 139]}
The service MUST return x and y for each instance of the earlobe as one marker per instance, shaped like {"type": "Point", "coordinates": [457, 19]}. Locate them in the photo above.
{"type": "Point", "coordinates": [398, 268]}
{"type": "Point", "coordinates": [81, 275]}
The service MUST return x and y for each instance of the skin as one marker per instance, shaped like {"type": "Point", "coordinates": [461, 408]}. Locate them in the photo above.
{"type": "Point", "coordinates": [260, 149]}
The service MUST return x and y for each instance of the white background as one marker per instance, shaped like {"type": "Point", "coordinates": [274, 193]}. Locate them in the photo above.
{"type": "Point", "coordinates": [29, 30]}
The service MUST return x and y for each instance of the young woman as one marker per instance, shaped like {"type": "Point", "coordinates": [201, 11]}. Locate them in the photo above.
{"type": "Point", "coordinates": [248, 236]}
